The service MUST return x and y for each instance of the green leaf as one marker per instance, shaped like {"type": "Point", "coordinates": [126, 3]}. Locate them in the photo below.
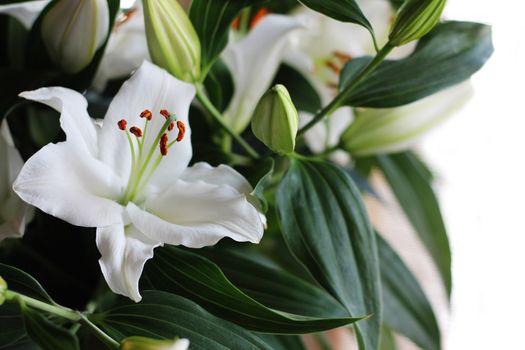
{"type": "Point", "coordinates": [219, 85]}
{"type": "Point", "coordinates": [451, 53]}
{"type": "Point", "coordinates": [325, 226]}
{"type": "Point", "coordinates": [21, 282]}
{"type": "Point", "coordinates": [283, 342]}
{"type": "Point", "coordinates": [341, 10]}
{"type": "Point", "coordinates": [195, 277]}
{"type": "Point", "coordinates": [303, 94]}
{"type": "Point", "coordinates": [12, 326]}
{"type": "Point", "coordinates": [260, 177]}
{"type": "Point", "coordinates": [165, 316]}
{"type": "Point", "coordinates": [411, 184]}
{"type": "Point", "coordinates": [46, 334]}
{"type": "Point", "coordinates": [397, 3]}
{"type": "Point", "coordinates": [406, 309]}
{"type": "Point", "coordinates": [212, 19]}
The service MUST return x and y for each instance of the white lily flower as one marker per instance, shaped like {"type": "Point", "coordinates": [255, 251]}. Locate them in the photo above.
{"type": "Point", "coordinates": [73, 31]}
{"type": "Point", "coordinates": [142, 343]}
{"type": "Point", "coordinates": [124, 182]}
{"type": "Point", "coordinates": [126, 50]}
{"type": "Point", "coordinates": [253, 62]}
{"type": "Point", "coordinates": [14, 213]}
{"type": "Point", "coordinates": [26, 12]}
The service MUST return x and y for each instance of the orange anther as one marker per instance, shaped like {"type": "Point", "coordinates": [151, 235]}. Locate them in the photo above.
{"type": "Point", "coordinates": [182, 130]}
{"type": "Point", "coordinates": [258, 17]}
{"type": "Point", "coordinates": [165, 113]}
{"type": "Point", "coordinates": [343, 57]}
{"type": "Point", "coordinates": [171, 126]}
{"type": "Point", "coordinates": [135, 131]}
{"type": "Point", "coordinates": [333, 67]}
{"type": "Point", "coordinates": [164, 144]}
{"type": "Point", "coordinates": [146, 114]}
{"type": "Point", "coordinates": [122, 124]}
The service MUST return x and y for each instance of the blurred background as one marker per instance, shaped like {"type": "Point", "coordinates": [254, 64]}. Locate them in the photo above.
{"type": "Point", "coordinates": [478, 157]}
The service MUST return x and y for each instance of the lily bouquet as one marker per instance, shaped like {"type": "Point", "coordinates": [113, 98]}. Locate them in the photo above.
{"type": "Point", "coordinates": [191, 175]}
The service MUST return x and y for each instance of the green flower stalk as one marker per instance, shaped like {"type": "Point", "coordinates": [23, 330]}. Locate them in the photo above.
{"type": "Point", "coordinates": [172, 40]}
{"type": "Point", "coordinates": [141, 343]}
{"type": "Point", "coordinates": [275, 120]}
{"type": "Point", "coordinates": [415, 19]}
{"type": "Point", "coordinates": [73, 31]}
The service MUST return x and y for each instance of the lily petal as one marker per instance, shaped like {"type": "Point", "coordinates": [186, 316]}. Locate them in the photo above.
{"type": "Point", "coordinates": [128, 37]}
{"type": "Point", "coordinates": [253, 62]}
{"type": "Point", "coordinates": [149, 88]}
{"type": "Point", "coordinates": [62, 181]}
{"type": "Point", "coordinates": [14, 213]}
{"type": "Point", "coordinates": [198, 214]}
{"type": "Point", "coordinates": [74, 119]}
{"type": "Point", "coordinates": [124, 251]}
{"type": "Point", "coordinates": [26, 12]}
{"type": "Point", "coordinates": [221, 175]}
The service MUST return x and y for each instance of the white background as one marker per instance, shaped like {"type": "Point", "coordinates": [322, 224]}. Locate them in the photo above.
{"type": "Point", "coordinates": [479, 155]}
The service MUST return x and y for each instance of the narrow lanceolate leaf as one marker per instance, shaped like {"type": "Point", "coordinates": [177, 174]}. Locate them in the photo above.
{"type": "Point", "coordinates": [164, 315]}
{"type": "Point", "coordinates": [212, 19]}
{"type": "Point", "coordinates": [341, 10]}
{"type": "Point", "coordinates": [294, 307]}
{"type": "Point", "coordinates": [283, 342]}
{"type": "Point", "coordinates": [411, 184]}
{"type": "Point", "coordinates": [388, 341]}
{"type": "Point", "coordinates": [12, 329]}
{"type": "Point", "coordinates": [448, 55]}
{"type": "Point", "coordinates": [46, 334]}
{"type": "Point", "coordinates": [326, 227]}
{"type": "Point", "coordinates": [406, 309]}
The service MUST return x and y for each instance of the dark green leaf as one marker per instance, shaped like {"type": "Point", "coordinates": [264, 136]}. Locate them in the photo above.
{"type": "Point", "coordinates": [219, 85]}
{"type": "Point", "coordinates": [46, 334]}
{"type": "Point", "coordinates": [283, 342]}
{"type": "Point", "coordinates": [193, 276]}
{"type": "Point", "coordinates": [12, 326]}
{"type": "Point", "coordinates": [303, 94]}
{"type": "Point", "coordinates": [397, 3]}
{"type": "Point", "coordinates": [410, 182]}
{"type": "Point", "coordinates": [448, 55]}
{"type": "Point", "coordinates": [326, 227]}
{"type": "Point", "coordinates": [165, 316]}
{"type": "Point", "coordinates": [19, 281]}
{"type": "Point", "coordinates": [405, 306]}
{"type": "Point", "coordinates": [212, 19]}
{"type": "Point", "coordinates": [341, 10]}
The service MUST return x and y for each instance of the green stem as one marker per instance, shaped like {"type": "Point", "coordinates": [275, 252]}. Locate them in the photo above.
{"type": "Point", "coordinates": [220, 120]}
{"type": "Point", "coordinates": [343, 95]}
{"type": "Point", "coordinates": [103, 337]}
{"type": "Point", "coordinates": [58, 310]}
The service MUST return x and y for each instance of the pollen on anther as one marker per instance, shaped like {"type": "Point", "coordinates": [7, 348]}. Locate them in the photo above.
{"type": "Point", "coordinates": [164, 144]}
{"type": "Point", "coordinates": [171, 126]}
{"type": "Point", "coordinates": [165, 113]}
{"type": "Point", "coordinates": [122, 124]}
{"type": "Point", "coordinates": [146, 114]}
{"type": "Point", "coordinates": [182, 130]}
{"type": "Point", "coordinates": [135, 131]}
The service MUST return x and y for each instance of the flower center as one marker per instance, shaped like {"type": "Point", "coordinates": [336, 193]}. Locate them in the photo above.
{"type": "Point", "coordinates": [143, 164]}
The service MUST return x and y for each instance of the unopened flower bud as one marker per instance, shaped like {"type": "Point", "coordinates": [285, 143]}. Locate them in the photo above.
{"type": "Point", "coordinates": [382, 131]}
{"type": "Point", "coordinates": [172, 41]}
{"type": "Point", "coordinates": [141, 343]}
{"type": "Point", "coordinates": [275, 120]}
{"type": "Point", "coordinates": [3, 289]}
{"type": "Point", "coordinates": [415, 19]}
{"type": "Point", "coordinates": [73, 31]}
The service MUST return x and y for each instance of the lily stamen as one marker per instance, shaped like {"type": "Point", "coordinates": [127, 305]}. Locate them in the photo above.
{"type": "Point", "coordinates": [136, 131]}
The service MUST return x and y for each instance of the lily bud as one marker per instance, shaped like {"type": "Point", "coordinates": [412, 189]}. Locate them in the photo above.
{"type": "Point", "coordinates": [73, 31]}
{"type": "Point", "coordinates": [380, 131]}
{"type": "Point", "coordinates": [275, 120]}
{"type": "Point", "coordinates": [415, 19]}
{"type": "Point", "coordinates": [172, 40]}
{"type": "Point", "coordinates": [141, 343]}
{"type": "Point", "coordinates": [3, 288]}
